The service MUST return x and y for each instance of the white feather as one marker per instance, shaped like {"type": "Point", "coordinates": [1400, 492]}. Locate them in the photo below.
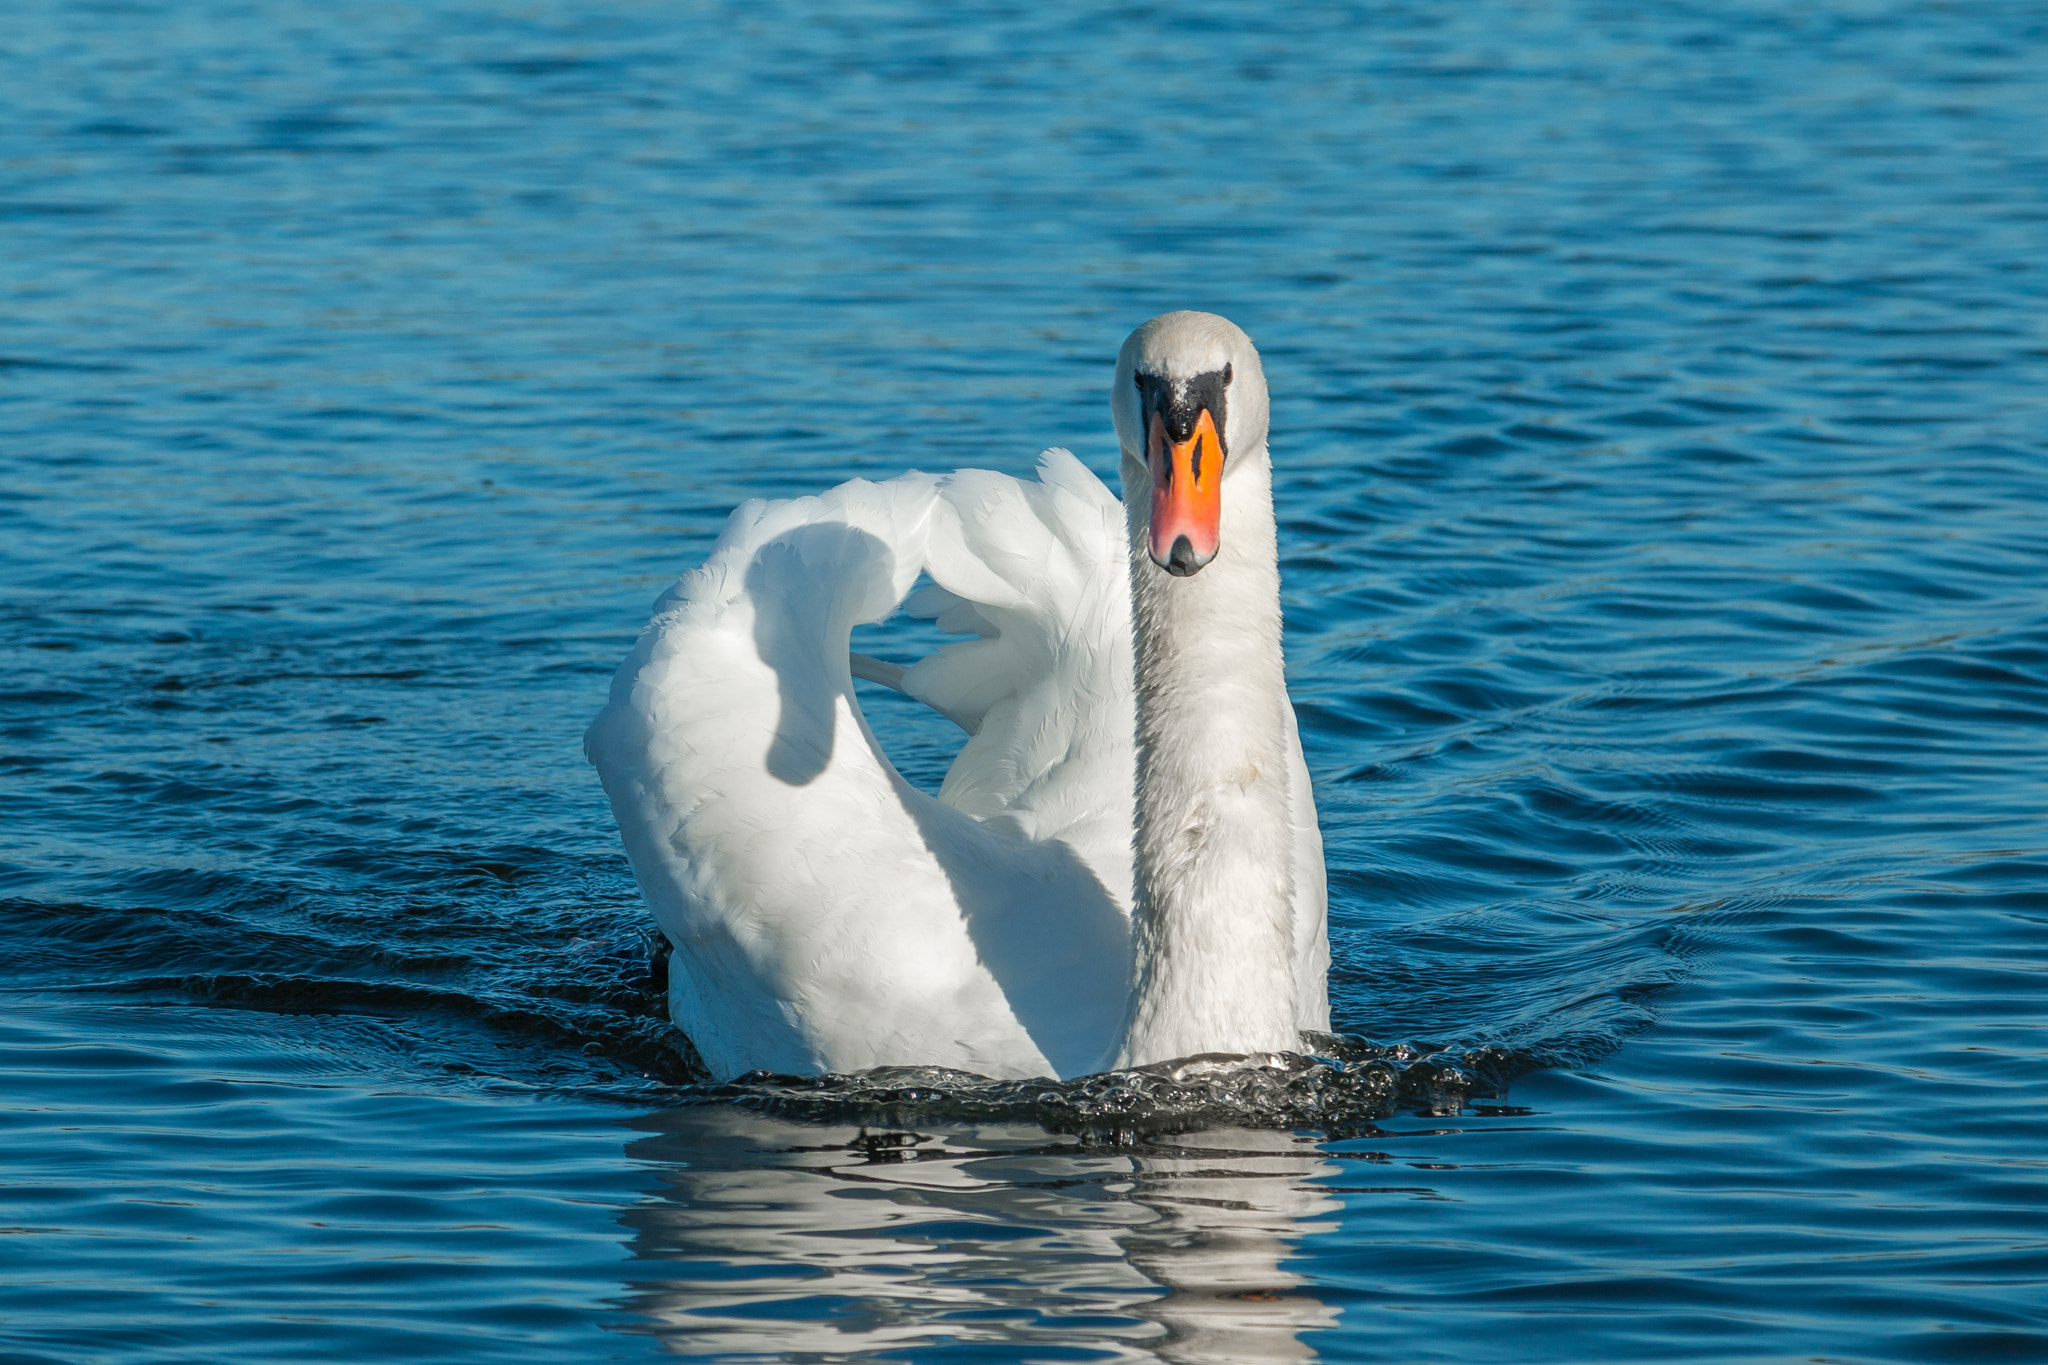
{"type": "Point", "coordinates": [828, 916]}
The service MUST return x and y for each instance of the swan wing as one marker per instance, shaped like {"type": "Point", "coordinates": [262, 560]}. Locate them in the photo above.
{"type": "Point", "coordinates": [826, 915]}
{"type": "Point", "coordinates": [1036, 574]}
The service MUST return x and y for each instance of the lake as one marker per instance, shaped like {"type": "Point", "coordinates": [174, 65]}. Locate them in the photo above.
{"type": "Point", "coordinates": [1661, 441]}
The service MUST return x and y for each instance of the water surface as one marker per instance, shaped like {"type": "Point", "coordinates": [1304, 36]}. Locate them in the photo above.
{"type": "Point", "coordinates": [1661, 423]}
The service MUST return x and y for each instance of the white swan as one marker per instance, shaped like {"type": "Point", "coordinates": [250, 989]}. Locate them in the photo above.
{"type": "Point", "coordinates": [1111, 874]}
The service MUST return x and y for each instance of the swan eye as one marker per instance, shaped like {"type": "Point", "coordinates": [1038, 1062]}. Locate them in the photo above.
{"type": "Point", "coordinates": [1226, 372]}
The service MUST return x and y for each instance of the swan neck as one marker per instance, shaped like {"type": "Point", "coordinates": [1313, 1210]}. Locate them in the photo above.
{"type": "Point", "coordinates": [1214, 877]}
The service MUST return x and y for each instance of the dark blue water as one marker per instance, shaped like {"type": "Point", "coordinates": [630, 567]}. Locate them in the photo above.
{"type": "Point", "coordinates": [1661, 421]}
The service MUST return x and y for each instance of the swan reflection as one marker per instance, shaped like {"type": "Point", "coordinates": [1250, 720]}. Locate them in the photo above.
{"type": "Point", "coordinates": [767, 1238]}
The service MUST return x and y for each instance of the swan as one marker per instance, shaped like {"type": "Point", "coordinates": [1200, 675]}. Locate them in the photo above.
{"type": "Point", "coordinates": [1122, 866]}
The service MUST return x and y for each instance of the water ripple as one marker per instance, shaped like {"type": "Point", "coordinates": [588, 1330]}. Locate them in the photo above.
{"type": "Point", "coordinates": [1659, 411]}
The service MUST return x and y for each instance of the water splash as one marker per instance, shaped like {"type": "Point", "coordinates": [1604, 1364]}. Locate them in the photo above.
{"type": "Point", "coordinates": [1344, 1085]}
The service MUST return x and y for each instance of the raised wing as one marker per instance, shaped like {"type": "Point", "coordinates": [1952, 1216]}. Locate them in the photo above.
{"type": "Point", "coordinates": [1036, 573]}
{"type": "Point", "coordinates": [826, 914]}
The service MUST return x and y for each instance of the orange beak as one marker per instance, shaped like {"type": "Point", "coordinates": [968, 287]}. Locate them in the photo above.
{"type": "Point", "coordinates": [1187, 495]}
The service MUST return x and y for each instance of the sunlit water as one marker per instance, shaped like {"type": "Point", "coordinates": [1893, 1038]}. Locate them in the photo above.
{"type": "Point", "coordinates": [1661, 421]}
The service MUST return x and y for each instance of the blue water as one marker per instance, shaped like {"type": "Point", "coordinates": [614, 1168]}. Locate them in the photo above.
{"type": "Point", "coordinates": [1661, 421]}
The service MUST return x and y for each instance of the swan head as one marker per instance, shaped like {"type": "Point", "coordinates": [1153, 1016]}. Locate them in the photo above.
{"type": "Point", "coordinates": [1190, 407]}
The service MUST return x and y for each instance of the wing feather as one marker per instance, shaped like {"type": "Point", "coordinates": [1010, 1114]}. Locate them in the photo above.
{"type": "Point", "coordinates": [826, 914]}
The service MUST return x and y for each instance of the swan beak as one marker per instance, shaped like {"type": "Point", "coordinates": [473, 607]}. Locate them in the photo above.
{"type": "Point", "coordinates": [1187, 495]}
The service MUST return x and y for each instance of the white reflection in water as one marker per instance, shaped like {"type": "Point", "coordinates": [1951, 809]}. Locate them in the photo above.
{"type": "Point", "coordinates": [769, 1238]}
